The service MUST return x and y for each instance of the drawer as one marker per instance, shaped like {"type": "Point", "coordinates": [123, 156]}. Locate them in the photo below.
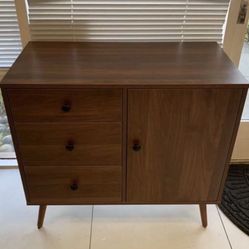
{"type": "Point", "coordinates": [60, 105]}
{"type": "Point", "coordinates": [74, 185]}
{"type": "Point", "coordinates": [55, 144]}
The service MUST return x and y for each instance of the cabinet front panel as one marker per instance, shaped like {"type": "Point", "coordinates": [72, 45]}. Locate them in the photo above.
{"type": "Point", "coordinates": [74, 185]}
{"type": "Point", "coordinates": [178, 143]}
{"type": "Point", "coordinates": [79, 144]}
{"type": "Point", "coordinates": [78, 105]}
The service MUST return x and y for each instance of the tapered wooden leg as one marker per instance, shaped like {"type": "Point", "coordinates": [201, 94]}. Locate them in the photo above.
{"type": "Point", "coordinates": [203, 211]}
{"type": "Point", "coordinates": [41, 215]}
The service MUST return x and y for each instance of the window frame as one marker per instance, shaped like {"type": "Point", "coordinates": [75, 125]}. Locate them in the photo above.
{"type": "Point", "coordinates": [22, 18]}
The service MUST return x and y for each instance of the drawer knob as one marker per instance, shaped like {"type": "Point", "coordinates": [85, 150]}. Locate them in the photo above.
{"type": "Point", "coordinates": [74, 186]}
{"type": "Point", "coordinates": [136, 145]}
{"type": "Point", "coordinates": [66, 107]}
{"type": "Point", "coordinates": [70, 146]}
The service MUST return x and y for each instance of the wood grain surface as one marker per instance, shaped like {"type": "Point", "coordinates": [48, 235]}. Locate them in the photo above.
{"type": "Point", "coordinates": [45, 144]}
{"type": "Point", "coordinates": [50, 185]}
{"type": "Point", "coordinates": [114, 123]}
{"type": "Point", "coordinates": [84, 105]}
{"type": "Point", "coordinates": [82, 64]}
{"type": "Point", "coordinates": [184, 137]}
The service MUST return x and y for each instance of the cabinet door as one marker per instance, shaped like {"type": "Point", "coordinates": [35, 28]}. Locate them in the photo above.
{"type": "Point", "coordinates": [178, 143]}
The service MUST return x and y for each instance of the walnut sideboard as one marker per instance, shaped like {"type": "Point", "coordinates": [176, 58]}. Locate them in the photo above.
{"type": "Point", "coordinates": [123, 123]}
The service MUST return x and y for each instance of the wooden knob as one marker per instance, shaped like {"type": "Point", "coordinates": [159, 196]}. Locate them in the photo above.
{"type": "Point", "coordinates": [136, 145]}
{"type": "Point", "coordinates": [74, 186]}
{"type": "Point", "coordinates": [70, 146]}
{"type": "Point", "coordinates": [66, 107]}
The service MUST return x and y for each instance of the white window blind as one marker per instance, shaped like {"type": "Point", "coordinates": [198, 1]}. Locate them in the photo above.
{"type": "Point", "coordinates": [132, 20]}
{"type": "Point", "coordinates": [10, 41]}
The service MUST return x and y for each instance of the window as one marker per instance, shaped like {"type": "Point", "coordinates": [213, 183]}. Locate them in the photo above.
{"type": "Point", "coordinates": [6, 143]}
{"type": "Point", "coordinates": [126, 20]}
{"type": "Point", "coordinates": [10, 47]}
{"type": "Point", "coordinates": [10, 41]}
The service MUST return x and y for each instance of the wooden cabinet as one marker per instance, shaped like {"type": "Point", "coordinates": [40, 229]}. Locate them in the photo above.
{"type": "Point", "coordinates": [127, 123]}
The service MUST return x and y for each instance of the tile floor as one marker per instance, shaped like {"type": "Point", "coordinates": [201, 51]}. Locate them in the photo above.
{"type": "Point", "coordinates": [244, 69]}
{"type": "Point", "coordinates": [107, 227]}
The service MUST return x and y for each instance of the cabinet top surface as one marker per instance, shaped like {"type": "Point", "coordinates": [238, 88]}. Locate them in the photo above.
{"type": "Point", "coordinates": [123, 64]}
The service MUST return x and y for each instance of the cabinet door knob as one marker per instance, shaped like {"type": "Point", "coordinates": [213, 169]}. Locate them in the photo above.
{"type": "Point", "coordinates": [66, 107]}
{"type": "Point", "coordinates": [136, 146]}
{"type": "Point", "coordinates": [70, 146]}
{"type": "Point", "coordinates": [74, 185]}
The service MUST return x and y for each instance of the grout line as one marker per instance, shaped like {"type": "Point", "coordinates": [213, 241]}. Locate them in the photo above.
{"type": "Point", "coordinates": [224, 227]}
{"type": "Point", "coordinates": [91, 229]}
{"type": "Point", "coordinates": [8, 167]}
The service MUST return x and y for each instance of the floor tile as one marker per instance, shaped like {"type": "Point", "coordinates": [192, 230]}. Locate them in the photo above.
{"type": "Point", "coordinates": [245, 48]}
{"type": "Point", "coordinates": [245, 114]}
{"type": "Point", "coordinates": [147, 227]}
{"type": "Point", "coordinates": [238, 239]}
{"type": "Point", "coordinates": [64, 226]}
{"type": "Point", "coordinates": [244, 64]}
{"type": "Point", "coordinates": [244, 69]}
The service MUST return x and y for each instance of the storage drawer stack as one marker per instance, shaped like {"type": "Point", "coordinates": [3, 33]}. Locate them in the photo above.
{"type": "Point", "coordinates": [70, 144]}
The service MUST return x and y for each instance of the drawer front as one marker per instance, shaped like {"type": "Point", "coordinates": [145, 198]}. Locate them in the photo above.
{"type": "Point", "coordinates": [59, 105]}
{"type": "Point", "coordinates": [55, 144]}
{"type": "Point", "coordinates": [74, 185]}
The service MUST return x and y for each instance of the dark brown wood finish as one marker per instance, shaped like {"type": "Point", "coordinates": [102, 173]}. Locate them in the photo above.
{"type": "Point", "coordinates": [79, 64]}
{"type": "Point", "coordinates": [15, 142]}
{"type": "Point", "coordinates": [177, 142]}
{"type": "Point", "coordinates": [73, 185]}
{"type": "Point", "coordinates": [52, 144]}
{"type": "Point", "coordinates": [232, 142]}
{"type": "Point", "coordinates": [203, 211]}
{"type": "Point", "coordinates": [124, 147]}
{"type": "Point", "coordinates": [41, 216]}
{"type": "Point", "coordinates": [115, 123]}
{"type": "Point", "coordinates": [81, 105]}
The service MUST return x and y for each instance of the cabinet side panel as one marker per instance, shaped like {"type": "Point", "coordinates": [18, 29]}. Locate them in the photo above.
{"type": "Point", "coordinates": [15, 140]}
{"type": "Point", "coordinates": [232, 143]}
